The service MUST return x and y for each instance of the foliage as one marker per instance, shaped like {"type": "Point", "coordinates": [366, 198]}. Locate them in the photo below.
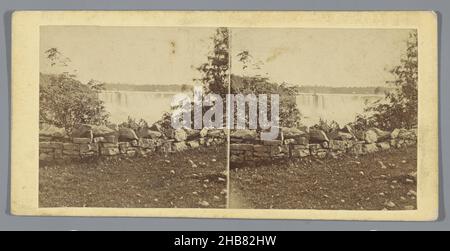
{"type": "Point", "coordinates": [132, 123]}
{"type": "Point", "coordinates": [399, 109]}
{"type": "Point", "coordinates": [289, 113]}
{"type": "Point", "coordinates": [215, 72]}
{"type": "Point", "coordinates": [65, 102]}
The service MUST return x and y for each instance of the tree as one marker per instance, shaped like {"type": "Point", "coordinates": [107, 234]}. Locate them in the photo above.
{"type": "Point", "coordinates": [399, 108]}
{"type": "Point", "coordinates": [215, 72]}
{"type": "Point", "coordinates": [65, 101]}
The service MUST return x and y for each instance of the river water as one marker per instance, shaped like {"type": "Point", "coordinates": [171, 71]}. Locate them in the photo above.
{"type": "Point", "coordinates": [150, 106]}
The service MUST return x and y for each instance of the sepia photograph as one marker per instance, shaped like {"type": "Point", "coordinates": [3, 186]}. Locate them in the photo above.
{"type": "Point", "coordinates": [106, 97]}
{"type": "Point", "coordinates": [347, 114]}
{"type": "Point", "coordinates": [298, 115]}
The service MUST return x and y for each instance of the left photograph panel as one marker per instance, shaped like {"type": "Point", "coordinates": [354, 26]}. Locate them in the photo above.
{"type": "Point", "coordinates": [119, 125]}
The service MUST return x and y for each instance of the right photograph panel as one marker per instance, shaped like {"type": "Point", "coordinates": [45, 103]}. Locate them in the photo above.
{"type": "Point", "coordinates": [324, 119]}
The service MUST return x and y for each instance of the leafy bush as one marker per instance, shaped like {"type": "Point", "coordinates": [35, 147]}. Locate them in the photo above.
{"type": "Point", "coordinates": [289, 113]}
{"type": "Point", "coordinates": [65, 102]}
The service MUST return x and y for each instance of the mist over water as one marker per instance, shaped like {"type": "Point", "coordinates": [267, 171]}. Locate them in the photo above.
{"type": "Point", "coordinates": [342, 108]}
{"type": "Point", "coordinates": [150, 106]}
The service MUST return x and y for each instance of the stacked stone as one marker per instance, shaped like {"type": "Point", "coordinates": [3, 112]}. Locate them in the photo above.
{"type": "Point", "coordinates": [246, 145]}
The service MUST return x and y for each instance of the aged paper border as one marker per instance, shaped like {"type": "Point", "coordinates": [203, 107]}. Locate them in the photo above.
{"type": "Point", "coordinates": [25, 103]}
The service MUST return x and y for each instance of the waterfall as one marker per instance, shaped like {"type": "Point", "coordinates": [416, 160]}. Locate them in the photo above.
{"type": "Point", "coordinates": [341, 108]}
{"type": "Point", "coordinates": [149, 106]}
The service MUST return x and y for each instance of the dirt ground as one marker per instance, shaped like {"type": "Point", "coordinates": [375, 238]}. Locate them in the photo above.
{"type": "Point", "coordinates": [190, 179]}
{"type": "Point", "coordinates": [380, 181]}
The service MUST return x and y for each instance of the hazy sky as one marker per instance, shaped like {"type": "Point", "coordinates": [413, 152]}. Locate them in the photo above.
{"type": "Point", "coordinates": [133, 55]}
{"type": "Point", "coordinates": [152, 55]}
{"type": "Point", "coordinates": [332, 57]}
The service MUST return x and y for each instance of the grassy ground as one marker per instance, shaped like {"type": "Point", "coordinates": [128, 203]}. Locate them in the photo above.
{"type": "Point", "coordinates": [191, 179]}
{"type": "Point", "coordinates": [384, 180]}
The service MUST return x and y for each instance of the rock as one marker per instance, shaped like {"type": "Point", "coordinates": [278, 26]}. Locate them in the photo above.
{"type": "Point", "coordinates": [291, 133]}
{"type": "Point", "coordinates": [384, 145]}
{"type": "Point", "coordinates": [241, 147]}
{"type": "Point", "coordinates": [370, 136]}
{"type": "Point", "coordinates": [127, 134]}
{"type": "Point", "coordinates": [53, 145]}
{"type": "Point", "coordinates": [382, 165]}
{"type": "Point", "coordinates": [272, 142]}
{"type": "Point", "coordinates": [111, 139]}
{"type": "Point", "coordinates": [113, 127]}
{"type": "Point", "coordinates": [204, 132]}
{"type": "Point", "coordinates": [413, 193]}
{"type": "Point", "coordinates": [204, 203]}
{"type": "Point", "coordinates": [289, 141]}
{"type": "Point", "coordinates": [48, 130]}
{"type": "Point", "coordinates": [410, 208]}
{"type": "Point", "coordinates": [148, 133]}
{"type": "Point", "coordinates": [179, 146]}
{"type": "Point", "coordinates": [244, 134]}
{"type": "Point", "coordinates": [99, 131]}
{"type": "Point", "coordinates": [390, 204]}
{"type": "Point", "coordinates": [395, 133]}
{"type": "Point", "coordinates": [344, 136]}
{"type": "Point", "coordinates": [216, 133]}
{"type": "Point", "coordinates": [81, 140]}
{"type": "Point", "coordinates": [82, 131]}
{"type": "Point", "coordinates": [382, 135]}
{"type": "Point", "coordinates": [318, 136]}
{"type": "Point", "coordinates": [179, 135]}
{"type": "Point", "coordinates": [99, 140]}
{"type": "Point", "coordinates": [109, 151]}
{"type": "Point", "coordinates": [302, 141]}
{"type": "Point", "coordinates": [193, 144]}
{"type": "Point", "coordinates": [156, 127]}
{"type": "Point", "coordinates": [409, 181]}
{"type": "Point", "coordinates": [216, 198]}
{"type": "Point", "coordinates": [299, 151]}
{"type": "Point", "coordinates": [192, 134]}
{"type": "Point", "coordinates": [408, 134]}
{"type": "Point", "coordinates": [370, 148]}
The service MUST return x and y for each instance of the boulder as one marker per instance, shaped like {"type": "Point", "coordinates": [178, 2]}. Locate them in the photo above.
{"type": "Point", "coordinates": [82, 140]}
{"type": "Point", "coordinates": [244, 134]}
{"type": "Point", "coordinates": [395, 133]}
{"type": "Point", "coordinates": [179, 146]}
{"type": "Point", "coordinates": [113, 127]}
{"type": "Point", "coordinates": [100, 131]}
{"type": "Point", "coordinates": [370, 148]}
{"type": "Point", "coordinates": [127, 134]}
{"type": "Point", "coordinates": [193, 144]}
{"type": "Point", "coordinates": [204, 132]}
{"type": "Point", "coordinates": [179, 135]}
{"type": "Point", "coordinates": [382, 135]}
{"type": "Point", "coordinates": [216, 133]}
{"type": "Point", "coordinates": [48, 130]}
{"type": "Point", "coordinates": [82, 131]}
{"type": "Point", "coordinates": [318, 136]}
{"type": "Point", "coordinates": [370, 136]}
{"type": "Point", "coordinates": [192, 133]}
{"type": "Point", "coordinates": [291, 133]}
{"type": "Point", "coordinates": [241, 147]}
{"type": "Point", "coordinates": [148, 133]}
{"type": "Point", "coordinates": [156, 127]}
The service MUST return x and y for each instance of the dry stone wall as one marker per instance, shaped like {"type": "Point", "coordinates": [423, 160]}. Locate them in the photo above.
{"type": "Point", "coordinates": [95, 141]}
{"type": "Point", "coordinates": [293, 143]}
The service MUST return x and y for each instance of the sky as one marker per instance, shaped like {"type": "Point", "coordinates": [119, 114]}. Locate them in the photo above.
{"type": "Point", "coordinates": [329, 57]}
{"type": "Point", "coordinates": [155, 55]}
{"type": "Point", "coordinates": [131, 55]}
